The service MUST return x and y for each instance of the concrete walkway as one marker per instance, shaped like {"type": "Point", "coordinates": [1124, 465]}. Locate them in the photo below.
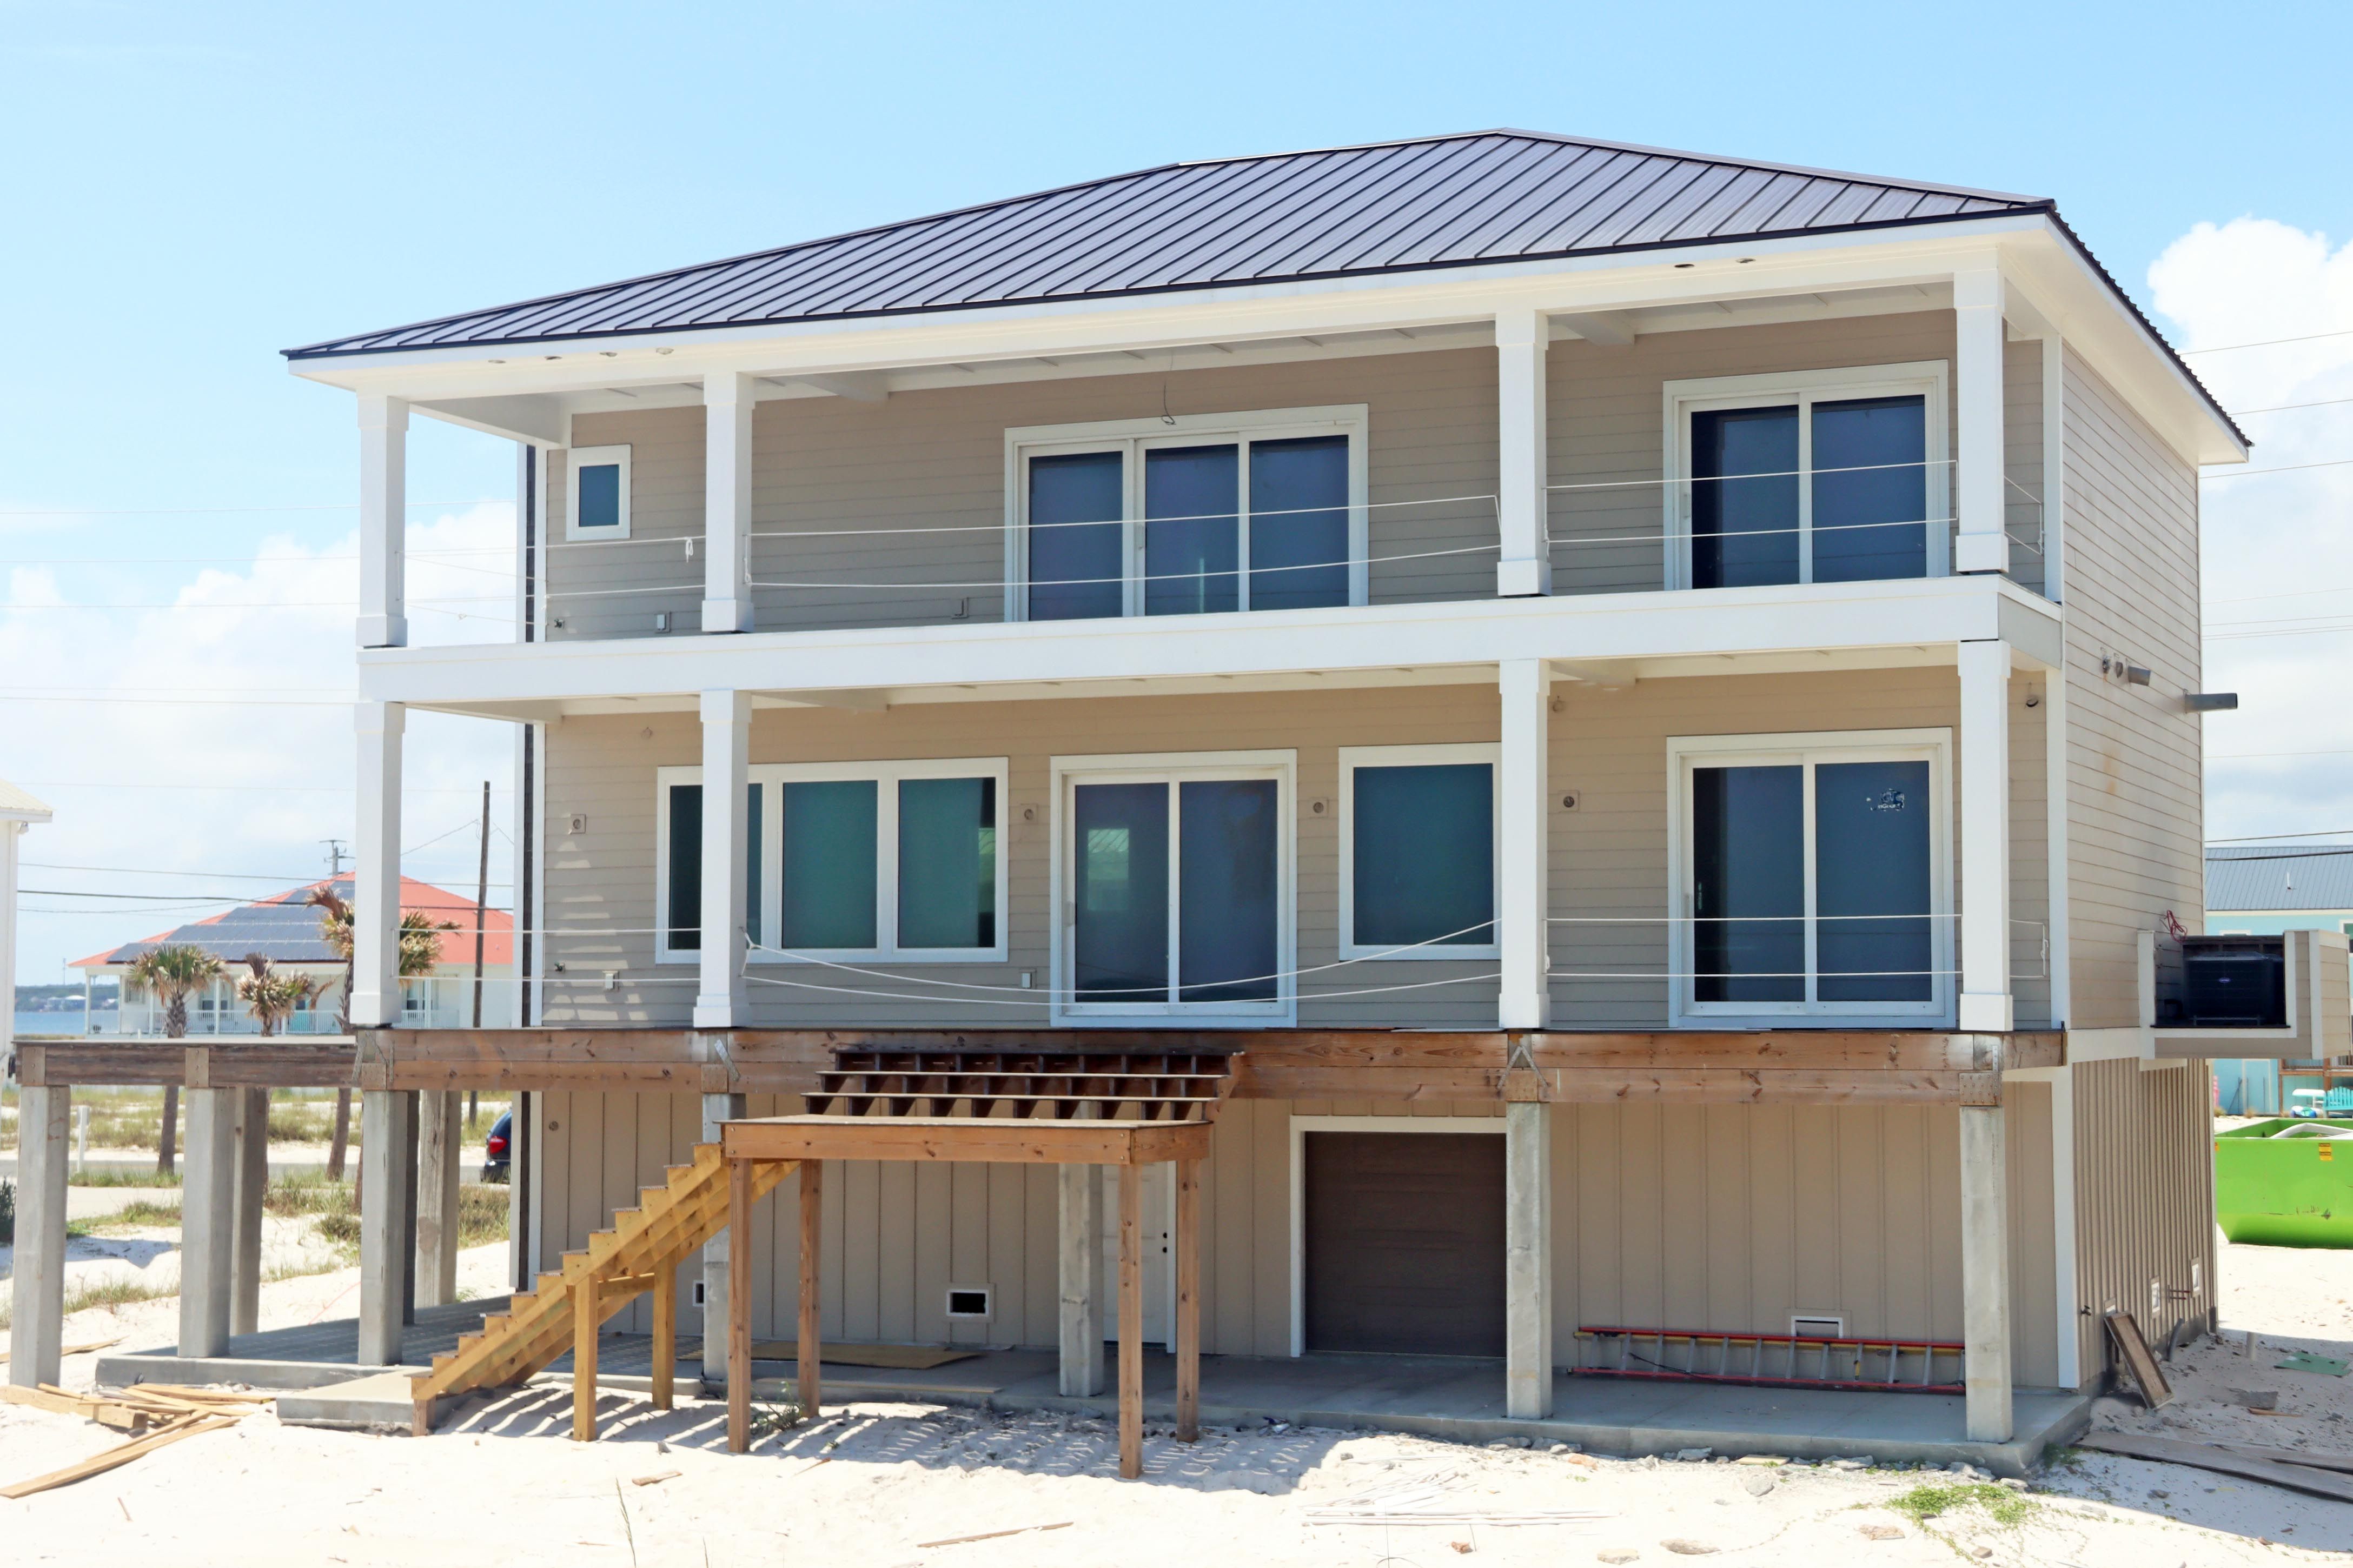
{"type": "Point", "coordinates": [1448, 1397]}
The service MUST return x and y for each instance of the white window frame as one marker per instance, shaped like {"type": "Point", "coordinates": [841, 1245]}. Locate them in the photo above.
{"type": "Point", "coordinates": [1300, 1126]}
{"type": "Point", "coordinates": [1354, 757]}
{"type": "Point", "coordinates": [1133, 437]}
{"type": "Point", "coordinates": [1810, 748]}
{"type": "Point", "coordinates": [577, 459]}
{"type": "Point", "coordinates": [1173, 768]}
{"type": "Point", "coordinates": [886, 776]}
{"type": "Point", "coordinates": [1925, 379]}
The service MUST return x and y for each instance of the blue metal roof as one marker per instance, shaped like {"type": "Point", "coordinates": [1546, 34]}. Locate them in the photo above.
{"type": "Point", "coordinates": [1436, 202]}
{"type": "Point", "coordinates": [2279, 877]}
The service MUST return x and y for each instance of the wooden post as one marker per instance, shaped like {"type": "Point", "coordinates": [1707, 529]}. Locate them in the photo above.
{"type": "Point", "coordinates": [43, 1116]}
{"type": "Point", "coordinates": [739, 1306]}
{"type": "Point", "coordinates": [665, 1331]}
{"type": "Point", "coordinates": [1131, 1321]}
{"type": "Point", "coordinates": [587, 1316]}
{"type": "Point", "coordinates": [1188, 1300]}
{"type": "Point", "coordinates": [812, 1212]}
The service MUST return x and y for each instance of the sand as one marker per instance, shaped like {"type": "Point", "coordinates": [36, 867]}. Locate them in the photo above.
{"type": "Point", "coordinates": [876, 1485]}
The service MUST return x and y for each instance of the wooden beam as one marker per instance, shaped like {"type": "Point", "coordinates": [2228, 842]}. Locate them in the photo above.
{"type": "Point", "coordinates": [992, 1141]}
{"type": "Point", "coordinates": [665, 1368]}
{"type": "Point", "coordinates": [739, 1306]}
{"type": "Point", "coordinates": [1131, 1322]}
{"type": "Point", "coordinates": [812, 1235]}
{"type": "Point", "coordinates": [584, 1324]}
{"type": "Point", "coordinates": [1188, 1300]}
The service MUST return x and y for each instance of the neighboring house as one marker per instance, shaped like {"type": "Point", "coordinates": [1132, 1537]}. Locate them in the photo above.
{"type": "Point", "coordinates": [1667, 677]}
{"type": "Point", "coordinates": [2265, 889]}
{"type": "Point", "coordinates": [285, 929]}
{"type": "Point", "coordinates": [18, 811]}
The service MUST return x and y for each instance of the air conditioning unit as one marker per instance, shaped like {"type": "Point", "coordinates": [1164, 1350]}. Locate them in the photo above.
{"type": "Point", "coordinates": [2234, 982]}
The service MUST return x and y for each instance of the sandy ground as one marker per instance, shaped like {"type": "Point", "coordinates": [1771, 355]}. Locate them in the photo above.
{"type": "Point", "coordinates": [881, 1486]}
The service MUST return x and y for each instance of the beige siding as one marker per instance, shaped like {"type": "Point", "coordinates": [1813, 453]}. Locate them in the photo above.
{"type": "Point", "coordinates": [2033, 1244]}
{"type": "Point", "coordinates": [2143, 1198]}
{"type": "Point", "coordinates": [2021, 443]}
{"type": "Point", "coordinates": [2134, 764]}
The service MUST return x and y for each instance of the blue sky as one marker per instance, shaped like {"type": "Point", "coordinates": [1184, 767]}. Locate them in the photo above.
{"type": "Point", "coordinates": [193, 188]}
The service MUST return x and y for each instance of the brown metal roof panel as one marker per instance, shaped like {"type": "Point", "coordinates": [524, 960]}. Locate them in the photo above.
{"type": "Point", "coordinates": [1328, 233]}
{"type": "Point", "coordinates": [1536, 207]}
{"type": "Point", "coordinates": [1649, 217]}
{"type": "Point", "coordinates": [1613, 209]}
{"type": "Point", "coordinates": [1539, 223]}
{"type": "Point", "coordinates": [1456, 218]}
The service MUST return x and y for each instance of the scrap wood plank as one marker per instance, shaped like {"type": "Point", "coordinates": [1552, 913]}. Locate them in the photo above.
{"type": "Point", "coordinates": [121, 1453]}
{"type": "Point", "coordinates": [105, 1411]}
{"type": "Point", "coordinates": [2210, 1457]}
{"type": "Point", "coordinates": [991, 1535]}
{"type": "Point", "coordinates": [75, 1349]}
{"type": "Point", "coordinates": [2313, 1459]}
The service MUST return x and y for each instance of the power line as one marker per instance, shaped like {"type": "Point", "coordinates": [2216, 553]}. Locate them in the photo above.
{"type": "Point", "coordinates": [2270, 837]}
{"type": "Point", "coordinates": [2249, 473]}
{"type": "Point", "coordinates": [269, 789]}
{"type": "Point", "coordinates": [2283, 408]}
{"type": "Point", "coordinates": [222, 510]}
{"type": "Point", "coordinates": [2268, 342]}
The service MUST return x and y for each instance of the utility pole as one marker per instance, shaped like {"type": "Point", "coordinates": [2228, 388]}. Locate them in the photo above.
{"type": "Point", "coordinates": [335, 853]}
{"type": "Point", "coordinates": [481, 918]}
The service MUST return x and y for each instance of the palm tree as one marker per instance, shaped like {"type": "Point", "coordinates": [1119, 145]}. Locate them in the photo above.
{"type": "Point", "coordinates": [420, 951]}
{"type": "Point", "coordinates": [273, 997]}
{"type": "Point", "coordinates": [170, 972]}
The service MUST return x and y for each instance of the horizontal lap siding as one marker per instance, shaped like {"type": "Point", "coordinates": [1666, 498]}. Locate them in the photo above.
{"type": "Point", "coordinates": [2135, 764]}
{"type": "Point", "coordinates": [2021, 442]}
{"type": "Point", "coordinates": [616, 590]}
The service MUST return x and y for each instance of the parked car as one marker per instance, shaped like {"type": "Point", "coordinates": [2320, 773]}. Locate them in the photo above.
{"type": "Point", "coordinates": [498, 1150]}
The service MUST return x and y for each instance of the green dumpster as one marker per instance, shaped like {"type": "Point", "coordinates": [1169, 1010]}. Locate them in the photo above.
{"type": "Point", "coordinates": [2286, 1183]}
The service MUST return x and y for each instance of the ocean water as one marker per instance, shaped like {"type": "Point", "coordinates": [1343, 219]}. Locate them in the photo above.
{"type": "Point", "coordinates": [59, 1023]}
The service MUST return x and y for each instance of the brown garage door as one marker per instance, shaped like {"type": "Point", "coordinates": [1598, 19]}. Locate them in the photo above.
{"type": "Point", "coordinates": [1405, 1242]}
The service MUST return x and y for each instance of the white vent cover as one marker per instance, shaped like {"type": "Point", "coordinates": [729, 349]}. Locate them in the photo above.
{"type": "Point", "coordinates": [1817, 1327]}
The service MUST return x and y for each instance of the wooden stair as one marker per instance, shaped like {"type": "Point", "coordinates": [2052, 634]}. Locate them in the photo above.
{"type": "Point", "coordinates": [1052, 1083]}
{"type": "Point", "coordinates": [640, 1253]}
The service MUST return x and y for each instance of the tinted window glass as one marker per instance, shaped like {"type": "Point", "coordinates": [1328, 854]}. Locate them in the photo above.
{"type": "Point", "coordinates": [685, 868]}
{"type": "Point", "coordinates": [600, 495]}
{"type": "Point", "coordinates": [1227, 922]}
{"type": "Point", "coordinates": [1871, 862]}
{"type": "Point", "coordinates": [947, 863]}
{"type": "Point", "coordinates": [1075, 505]}
{"type": "Point", "coordinates": [1192, 532]}
{"type": "Point", "coordinates": [1120, 853]}
{"type": "Point", "coordinates": [1744, 529]}
{"type": "Point", "coordinates": [1424, 855]}
{"type": "Point", "coordinates": [1871, 489]}
{"type": "Point", "coordinates": [1299, 523]}
{"type": "Point", "coordinates": [1748, 877]}
{"type": "Point", "coordinates": [829, 865]}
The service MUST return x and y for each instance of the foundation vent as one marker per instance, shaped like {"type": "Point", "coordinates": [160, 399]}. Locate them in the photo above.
{"type": "Point", "coordinates": [1817, 1328]}
{"type": "Point", "coordinates": [969, 1303]}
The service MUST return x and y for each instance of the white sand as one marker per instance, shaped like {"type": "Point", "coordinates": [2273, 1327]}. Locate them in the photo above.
{"type": "Point", "coordinates": [501, 1483]}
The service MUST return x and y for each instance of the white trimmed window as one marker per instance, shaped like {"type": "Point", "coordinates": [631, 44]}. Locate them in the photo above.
{"type": "Point", "coordinates": [1186, 514]}
{"type": "Point", "coordinates": [902, 862]}
{"type": "Point", "coordinates": [1826, 476]}
{"type": "Point", "coordinates": [598, 494]}
{"type": "Point", "coordinates": [1174, 874]}
{"type": "Point", "coordinates": [1813, 877]}
{"type": "Point", "coordinates": [1417, 851]}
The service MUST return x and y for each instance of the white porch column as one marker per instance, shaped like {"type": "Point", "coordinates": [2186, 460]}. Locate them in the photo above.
{"type": "Point", "coordinates": [717, 1111]}
{"type": "Point", "coordinates": [1982, 545]}
{"type": "Point", "coordinates": [383, 521]}
{"type": "Point", "coordinates": [385, 1131]}
{"type": "Point", "coordinates": [1985, 836]}
{"type": "Point", "coordinates": [1522, 903]}
{"type": "Point", "coordinates": [1985, 1273]}
{"type": "Point", "coordinates": [726, 747]}
{"type": "Point", "coordinates": [1523, 505]}
{"type": "Point", "coordinates": [375, 867]}
{"type": "Point", "coordinates": [1527, 1260]}
{"type": "Point", "coordinates": [727, 399]}
{"type": "Point", "coordinates": [1079, 1271]}
{"type": "Point", "coordinates": [43, 1116]}
{"type": "Point", "coordinates": [207, 1221]}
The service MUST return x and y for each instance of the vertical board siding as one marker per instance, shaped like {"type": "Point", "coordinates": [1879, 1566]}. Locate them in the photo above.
{"type": "Point", "coordinates": [2033, 1259]}
{"type": "Point", "coordinates": [2135, 773]}
{"type": "Point", "coordinates": [2143, 1198]}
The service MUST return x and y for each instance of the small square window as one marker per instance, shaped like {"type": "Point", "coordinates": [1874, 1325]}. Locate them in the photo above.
{"type": "Point", "coordinates": [599, 492]}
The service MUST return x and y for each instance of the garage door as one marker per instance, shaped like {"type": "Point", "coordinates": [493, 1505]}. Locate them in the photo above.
{"type": "Point", "coordinates": [1405, 1242]}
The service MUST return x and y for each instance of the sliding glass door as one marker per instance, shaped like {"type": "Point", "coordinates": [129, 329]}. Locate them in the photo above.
{"type": "Point", "coordinates": [1176, 893]}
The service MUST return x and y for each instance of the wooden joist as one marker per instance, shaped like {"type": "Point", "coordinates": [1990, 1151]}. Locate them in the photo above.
{"type": "Point", "coordinates": [949, 1139]}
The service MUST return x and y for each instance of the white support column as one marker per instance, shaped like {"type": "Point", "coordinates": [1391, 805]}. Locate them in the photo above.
{"type": "Point", "coordinates": [1523, 504]}
{"type": "Point", "coordinates": [441, 1117]}
{"type": "Point", "coordinates": [727, 399]}
{"type": "Point", "coordinates": [37, 1333]}
{"type": "Point", "coordinates": [384, 1134]}
{"type": "Point", "coordinates": [1985, 836]}
{"type": "Point", "coordinates": [207, 1221]}
{"type": "Point", "coordinates": [2058, 856]}
{"type": "Point", "coordinates": [1985, 1274]}
{"type": "Point", "coordinates": [726, 755]}
{"type": "Point", "coordinates": [1079, 1269]}
{"type": "Point", "coordinates": [1522, 900]}
{"type": "Point", "coordinates": [2054, 468]}
{"type": "Point", "coordinates": [375, 867]}
{"type": "Point", "coordinates": [1982, 545]}
{"type": "Point", "coordinates": [717, 1111]}
{"type": "Point", "coordinates": [252, 1184]}
{"type": "Point", "coordinates": [1527, 1260]}
{"type": "Point", "coordinates": [383, 521]}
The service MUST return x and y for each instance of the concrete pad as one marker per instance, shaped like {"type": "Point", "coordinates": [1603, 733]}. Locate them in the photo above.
{"type": "Point", "coordinates": [362, 1403]}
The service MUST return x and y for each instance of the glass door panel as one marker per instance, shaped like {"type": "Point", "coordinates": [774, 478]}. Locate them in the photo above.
{"type": "Point", "coordinates": [1872, 861]}
{"type": "Point", "coordinates": [1119, 870]}
{"type": "Point", "coordinates": [1192, 529]}
{"type": "Point", "coordinates": [827, 852]}
{"type": "Point", "coordinates": [1871, 489]}
{"type": "Point", "coordinates": [1077, 540]}
{"type": "Point", "coordinates": [1744, 498]}
{"type": "Point", "coordinates": [1748, 884]}
{"type": "Point", "coordinates": [1299, 523]}
{"type": "Point", "coordinates": [1229, 940]}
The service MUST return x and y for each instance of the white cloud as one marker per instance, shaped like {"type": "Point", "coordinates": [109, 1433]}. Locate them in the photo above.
{"type": "Point", "coordinates": [231, 789]}
{"type": "Point", "coordinates": [2252, 280]}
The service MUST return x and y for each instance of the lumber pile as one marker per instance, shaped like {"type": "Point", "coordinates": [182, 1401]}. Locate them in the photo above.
{"type": "Point", "coordinates": [157, 1414]}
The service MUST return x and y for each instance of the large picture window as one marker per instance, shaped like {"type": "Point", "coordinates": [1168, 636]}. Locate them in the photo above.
{"type": "Point", "coordinates": [1812, 875]}
{"type": "Point", "coordinates": [901, 861]}
{"type": "Point", "coordinates": [1173, 874]}
{"type": "Point", "coordinates": [1818, 477]}
{"type": "Point", "coordinates": [1417, 851]}
{"type": "Point", "coordinates": [1188, 515]}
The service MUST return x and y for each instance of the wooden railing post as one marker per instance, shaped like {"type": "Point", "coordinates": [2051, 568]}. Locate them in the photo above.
{"type": "Point", "coordinates": [1131, 1321]}
{"type": "Point", "coordinates": [739, 1306]}
{"type": "Point", "coordinates": [1188, 1300]}
{"type": "Point", "coordinates": [810, 1347]}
